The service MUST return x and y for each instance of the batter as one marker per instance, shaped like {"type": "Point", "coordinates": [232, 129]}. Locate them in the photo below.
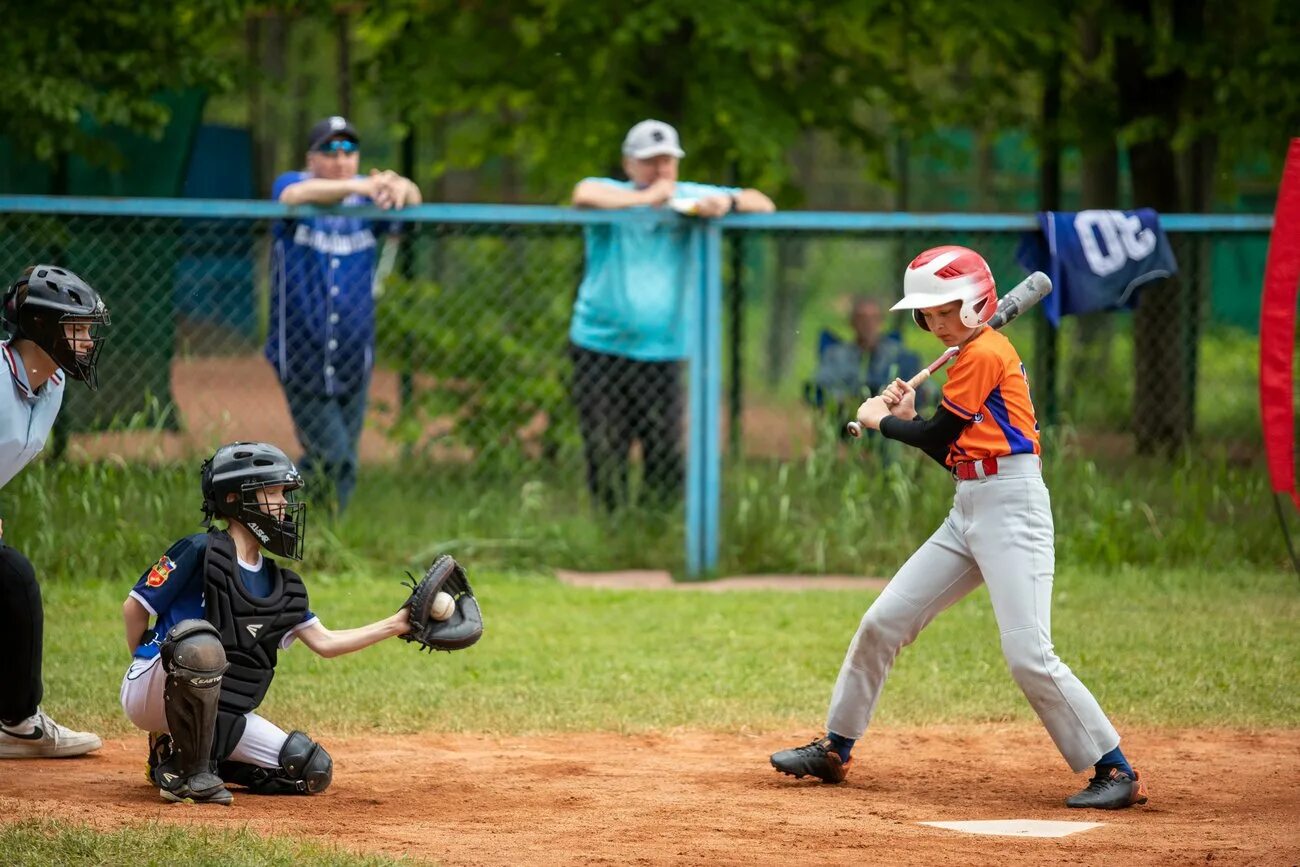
{"type": "Point", "coordinates": [998, 533]}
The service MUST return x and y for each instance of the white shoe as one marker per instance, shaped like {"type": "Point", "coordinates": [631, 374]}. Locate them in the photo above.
{"type": "Point", "coordinates": [47, 740]}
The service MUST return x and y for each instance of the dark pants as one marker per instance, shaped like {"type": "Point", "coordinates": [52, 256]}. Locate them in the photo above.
{"type": "Point", "coordinates": [329, 428]}
{"type": "Point", "coordinates": [22, 623]}
{"type": "Point", "coordinates": [620, 400]}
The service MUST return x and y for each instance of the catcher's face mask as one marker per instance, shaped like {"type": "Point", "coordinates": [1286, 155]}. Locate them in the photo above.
{"type": "Point", "coordinates": [270, 513]}
{"type": "Point", "coordinates": [83, 338]}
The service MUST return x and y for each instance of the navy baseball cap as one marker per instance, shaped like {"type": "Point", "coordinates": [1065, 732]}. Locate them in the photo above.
{"type": "Point", "coordinates": [331, 127]}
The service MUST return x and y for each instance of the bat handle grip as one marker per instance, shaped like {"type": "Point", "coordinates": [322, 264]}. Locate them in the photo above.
{"type": "Point", "coordinates": [916, 381]}
{"type": "Point", "coordinates": [854, 428]}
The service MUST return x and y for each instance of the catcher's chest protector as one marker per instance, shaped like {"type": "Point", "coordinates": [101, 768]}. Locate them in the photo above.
{"type": "Point", "coordinates": [251, 627]}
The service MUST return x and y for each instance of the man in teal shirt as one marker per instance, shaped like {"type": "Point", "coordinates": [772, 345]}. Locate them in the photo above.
{"type": "Point", "coordinates": [628, 332]}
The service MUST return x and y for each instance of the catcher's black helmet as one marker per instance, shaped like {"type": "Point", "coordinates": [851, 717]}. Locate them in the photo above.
{"type": "Point", "coordinates": [44, 304]}
{"type": "Point", "coordinates": [245, 470]}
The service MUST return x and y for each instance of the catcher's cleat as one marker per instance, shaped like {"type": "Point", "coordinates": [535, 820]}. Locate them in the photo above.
{"type": "Point", "coordinates": [160, 750]}
{"type": "Point", "coordinates": [1114, 790]}
{"type": "Point", "coordinates": [817, 759]}
{"type": "Point", "coordinates": [203, 788]}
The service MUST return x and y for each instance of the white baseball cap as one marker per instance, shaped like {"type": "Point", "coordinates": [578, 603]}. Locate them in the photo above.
{"type": "Point", "coordinates": [652, 138]}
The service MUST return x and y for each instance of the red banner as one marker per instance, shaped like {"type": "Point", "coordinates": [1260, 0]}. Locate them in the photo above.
{"type": "Point", "coordinates": [1277, 335]}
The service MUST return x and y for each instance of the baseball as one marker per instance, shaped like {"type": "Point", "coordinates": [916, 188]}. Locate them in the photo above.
{"type": "Point", "coordinates": [443, 606]}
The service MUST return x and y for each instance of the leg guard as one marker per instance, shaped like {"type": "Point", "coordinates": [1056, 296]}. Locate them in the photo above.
{"type": "Point", "coordinates": [305, 769]}
{"type": "Point", "coordinates": [194, 660]}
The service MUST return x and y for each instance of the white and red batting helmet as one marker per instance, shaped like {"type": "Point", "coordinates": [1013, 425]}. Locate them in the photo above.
{"type": "Point", "coordinates": [942, 275]}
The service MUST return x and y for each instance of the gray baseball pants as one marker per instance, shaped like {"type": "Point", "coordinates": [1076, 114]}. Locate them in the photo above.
{"type": "Point", "coordinates": [999, 532]}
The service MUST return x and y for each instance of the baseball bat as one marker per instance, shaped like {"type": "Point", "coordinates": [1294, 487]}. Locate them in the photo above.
{"type": "Point", "coordinates": [1023, 296]}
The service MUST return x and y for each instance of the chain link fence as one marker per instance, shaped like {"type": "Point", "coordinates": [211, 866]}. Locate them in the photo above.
{"type": "Point", "coordinates": [475, 382]}
{"type": "Point", "coordinates": [466, 327]}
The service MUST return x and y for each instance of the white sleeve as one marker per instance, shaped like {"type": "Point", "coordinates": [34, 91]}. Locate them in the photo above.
{"type": "Point", "coordinates": [292, 634]}
{"type": "Point", "coordinates": [147, 607]}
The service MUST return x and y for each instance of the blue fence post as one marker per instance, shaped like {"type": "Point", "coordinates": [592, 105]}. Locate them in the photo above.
{"type": "Point", "coordinates": [695, 388]}
{"type": "Point", "coordinates": [704, 449]}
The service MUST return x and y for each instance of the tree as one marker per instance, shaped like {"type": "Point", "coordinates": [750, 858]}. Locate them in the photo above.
{"type": "Point", "coordinates": [556, 84]}
{"type": "Point", "coordinates": [71, 66]}
{"type": "Point", "coordinates": [1184, 72]}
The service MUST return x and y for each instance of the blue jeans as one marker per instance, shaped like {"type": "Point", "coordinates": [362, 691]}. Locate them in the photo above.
{"type": "Point", "coordinates": [329, 428]}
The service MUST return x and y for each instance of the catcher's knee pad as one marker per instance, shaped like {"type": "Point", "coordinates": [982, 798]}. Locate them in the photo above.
{"type": "Point", "coordinates": [194, 660]}
{"type": "Point", "coordinates": [305, 761]}
{"type": "Point", "coordinates": [305, 769]}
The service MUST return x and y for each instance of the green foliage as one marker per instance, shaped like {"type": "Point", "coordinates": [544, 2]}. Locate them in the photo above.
{"type": "Point", "coordinates": [556, 85]}
{"type": "Point", "coordinates": [1238, 71]}
{"type": "Point", "coordinates": [479, 379]}
{"type": "Point", "coordinates": [837, 511]}
{"type": "Point", "coordinates": [70, 66]}
{"type": "Point", "coordinates": [53, 841]}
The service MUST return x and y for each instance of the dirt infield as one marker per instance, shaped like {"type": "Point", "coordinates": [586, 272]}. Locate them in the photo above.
{"type": "Point", "coordinates": [684, 797]}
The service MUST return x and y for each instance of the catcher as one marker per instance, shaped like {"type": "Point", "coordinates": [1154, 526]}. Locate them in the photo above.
{"type": "Point", "coordinates": [222, 613]}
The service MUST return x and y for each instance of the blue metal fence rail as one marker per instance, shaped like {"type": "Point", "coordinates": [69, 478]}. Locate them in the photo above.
{"type": "Point", "coordinates": [704, 448]}
{"type": "Point", "coordinates": [547, 215]}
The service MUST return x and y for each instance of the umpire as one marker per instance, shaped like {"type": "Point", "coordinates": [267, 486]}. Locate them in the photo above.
{"type": "Point", "coordinates": [53, 318]}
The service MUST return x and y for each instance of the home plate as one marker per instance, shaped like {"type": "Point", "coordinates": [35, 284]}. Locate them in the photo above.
{"type": "Point", "coordinates": [1017, 827]}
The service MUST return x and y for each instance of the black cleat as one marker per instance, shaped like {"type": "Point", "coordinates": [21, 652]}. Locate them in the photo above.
{"type": "Point", "coordinates": [202, 788]}
{"type": "Point", "coordinates": [160, 750]}
{"type": "Point", "coordinates": [1113, 791]}
{"type": "Point", "coordinates": [817, 759]}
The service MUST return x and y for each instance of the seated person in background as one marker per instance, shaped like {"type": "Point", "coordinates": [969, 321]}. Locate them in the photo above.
{"type": "Point", "coordinates": [854, 371]}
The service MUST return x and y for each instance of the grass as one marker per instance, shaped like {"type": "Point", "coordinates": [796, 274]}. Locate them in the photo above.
{"type": "Point", "coordinates": [843, 511]}
{"type": "Point", "coordinates": [39, 843]}
{"type": "Point", "coordinates": [1150, 643]}
{"type": "Point", "coordinates": [834, 510]}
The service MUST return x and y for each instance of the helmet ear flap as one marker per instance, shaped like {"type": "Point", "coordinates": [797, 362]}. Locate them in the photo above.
{"type": "Point", "coordinates": [11, 302]}
{"type": "Point", "coordinates": [919, 319]}
{"type": "Point", "coordinates": [975, 313]}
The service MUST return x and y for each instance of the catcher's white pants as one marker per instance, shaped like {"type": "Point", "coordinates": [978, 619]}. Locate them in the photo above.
{"type": "Point", "coordinates": [999, 532]}
{"type": "Point", "coordinates": [142, 699]}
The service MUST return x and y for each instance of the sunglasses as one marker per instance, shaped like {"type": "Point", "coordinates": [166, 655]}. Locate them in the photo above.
{"type": "Point", "coordinates": [337, 147]}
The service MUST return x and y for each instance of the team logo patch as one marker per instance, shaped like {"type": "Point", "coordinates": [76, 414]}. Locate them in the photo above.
{"type": "Point", "coordinates": [161, 571]}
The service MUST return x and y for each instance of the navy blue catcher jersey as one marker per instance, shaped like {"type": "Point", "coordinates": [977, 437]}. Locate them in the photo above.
{"type": "Point", "coordinates": [172, 590]}
{"type": "Point", "coordinates": [1097, 259]}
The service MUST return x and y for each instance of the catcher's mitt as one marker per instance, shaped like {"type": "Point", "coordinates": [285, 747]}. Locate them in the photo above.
{"type": "Point", "coordinates": [463, 627]}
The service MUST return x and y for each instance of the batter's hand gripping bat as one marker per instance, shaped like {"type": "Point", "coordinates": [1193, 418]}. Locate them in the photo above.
{"type": "Point", "coordinates": [1025, 295]}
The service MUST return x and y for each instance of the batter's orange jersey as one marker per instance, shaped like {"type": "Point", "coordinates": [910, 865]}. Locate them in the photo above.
{"type": "Point", "coordinates": [987, 385]}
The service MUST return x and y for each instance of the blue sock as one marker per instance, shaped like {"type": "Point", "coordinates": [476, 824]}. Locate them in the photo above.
{"type": "Point", "coordinates": [1114, 759]}
{"type": "Point", "coordinates": [842, 745]}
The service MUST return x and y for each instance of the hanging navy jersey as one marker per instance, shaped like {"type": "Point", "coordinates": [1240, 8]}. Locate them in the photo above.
{"type": "Point", "coordinates": [1097, 259]}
